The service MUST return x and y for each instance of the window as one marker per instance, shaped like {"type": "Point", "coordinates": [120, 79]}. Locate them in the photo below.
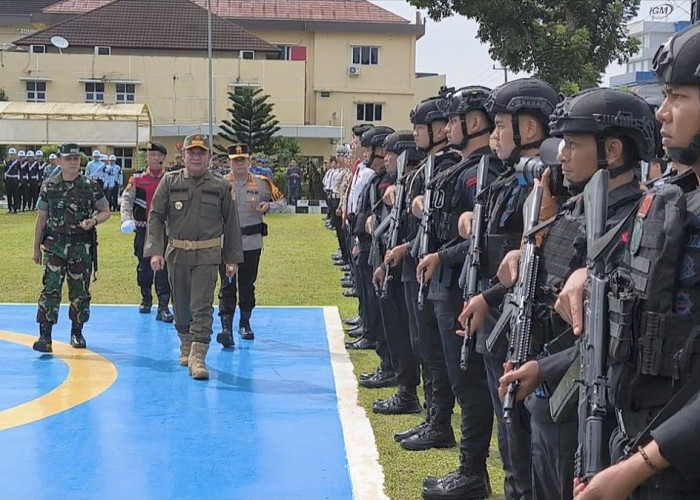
{"type": "Point", "coordinates": [365, 55]}
{"type": "Point", "coordinates": [94, 92]}
{"type": "Point", "coordinates": [368, 112]}
{"type": "Point", "coordinates": [103, 51]}
{"type": "Point", "coordinates": [246, 54]}
{"type": "Point", "coordinates": [126, 93]}
{"type": "Point", "coordinates": [125, 157]}
{"type": "Point", "coordinates": [36, 91]}
{"type": "Point", "coordinates": [285, 52]}
{"type": "Point", "coordinates": [37, 49]}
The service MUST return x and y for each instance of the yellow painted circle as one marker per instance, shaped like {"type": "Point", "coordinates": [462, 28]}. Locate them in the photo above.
{"type": "Point", "coordinates": [89, 375]}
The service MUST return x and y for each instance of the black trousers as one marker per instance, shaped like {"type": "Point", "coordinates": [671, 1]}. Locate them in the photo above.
{"type": "Point", "coordinates": [374, 327]}
{"type": "Point", "coordinates": [469, 386]}
{"type": "Point", "coordinates": [12, 190]}
{"type": "Point", "coordinates": [431, 352]}
{"type": "Point", "coordinates": [398, 338]}
{"type": "Point", "coordinates": [242, 285]}
{"type": "Point", "coordinates": [410, 298]}
{"type": "Point", "coordinates": [25, 194]}
{"type": "Point", "coordinates": [145, 277]}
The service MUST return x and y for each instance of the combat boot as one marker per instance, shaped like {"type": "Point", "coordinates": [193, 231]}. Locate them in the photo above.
{"type": "Point", "coordinates": [405, 401]}
{"type": "Point", "coordinates": [469, 482]}
{"type": "Point", "coordinates": [244, 329]}
{"type": "Point", "coordinates": [43, 343]}
{"type": "Point", "coordinates": [225, 338]}
{"type": "Point", "coordinates": [438, 434]}
{"type": "Point", "coordinates": [198, 368]}
{"type": "Point", "coordinates": [146, 301]}
{"type": "Point", "coordinates": [76, 336]}
{"type": "Point", "coordinates": [164, 313]}
{"type": "Point", "coordinates": [185, 346]}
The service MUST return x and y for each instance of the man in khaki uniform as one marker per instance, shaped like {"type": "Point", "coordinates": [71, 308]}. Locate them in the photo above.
{"type": "Point", "coordinates": [198, 209]}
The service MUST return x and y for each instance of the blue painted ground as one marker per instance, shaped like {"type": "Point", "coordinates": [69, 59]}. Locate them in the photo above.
{"type": "Point", "coordinates": [265, 426]}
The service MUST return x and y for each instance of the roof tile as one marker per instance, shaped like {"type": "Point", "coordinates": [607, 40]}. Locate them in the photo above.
{"type": "Point", "coordinates": [146, 24]}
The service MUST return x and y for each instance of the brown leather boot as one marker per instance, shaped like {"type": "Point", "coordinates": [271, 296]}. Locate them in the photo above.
{"type": "Point", "coordinates": [198, 368]}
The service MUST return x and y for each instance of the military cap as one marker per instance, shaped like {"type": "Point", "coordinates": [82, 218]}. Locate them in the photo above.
{"type": "Point", "coordinates": [195, 141]}
{"type": "Point", "coordinates": [238, 151]}
{"type": "Point", "coordinates": [155, 146]}
{"type": "Point", "coordinates": [69, 149]}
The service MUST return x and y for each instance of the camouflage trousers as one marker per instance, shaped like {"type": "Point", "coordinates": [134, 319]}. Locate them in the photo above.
{"type": "Point", "coordinates": [61, 261]}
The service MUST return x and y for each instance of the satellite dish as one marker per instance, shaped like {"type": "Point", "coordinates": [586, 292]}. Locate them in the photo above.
{"type": "Point", "coordinates": [59, 42]}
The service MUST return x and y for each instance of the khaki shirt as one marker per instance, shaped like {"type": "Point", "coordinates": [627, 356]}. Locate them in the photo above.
{"type": "Point", "coordinates": [195, 209]}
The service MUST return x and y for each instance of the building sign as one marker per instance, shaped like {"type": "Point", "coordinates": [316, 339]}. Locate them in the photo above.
{"type": "Point", "coordinates": [661, 11]}
{"type": "Point", "coordinates": [26, 31]}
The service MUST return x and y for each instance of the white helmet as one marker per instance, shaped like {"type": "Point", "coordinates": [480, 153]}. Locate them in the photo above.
{"type": "Point", "coordinates": [343, 150]}
{"type": "Point", "coordinates": [112, 157]}
{"type": "Point", "coordinates": [96, 152]}
{"type": "Point", "coordinates": [21, 153]}
{"type": "Point", "coordinates": [39, 152]}
{"type": "Point", "coordinates": [52, 156]}
{"type": "Point", "coordinates": [30, 153]}
{"type": "Point", "coordinates": [103, 157]}
{"type": "Point", "coordinates": [12, 151]}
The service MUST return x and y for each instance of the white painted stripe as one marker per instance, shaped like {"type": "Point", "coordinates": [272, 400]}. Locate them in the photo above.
{"type": "Point", "coordinates": [366, 475]}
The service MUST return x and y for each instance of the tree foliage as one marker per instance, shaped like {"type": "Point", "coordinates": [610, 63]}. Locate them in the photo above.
{"type": "Point", "coordinates": [283, 149]}
{"type": "Point", "coordinates": [251, 122]}
{"type": "Point", "coordinates": [568, 43]}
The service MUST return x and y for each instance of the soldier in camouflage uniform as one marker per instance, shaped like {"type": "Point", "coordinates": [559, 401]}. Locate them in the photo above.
{"type": "Point", "coordinates": [70, 206]}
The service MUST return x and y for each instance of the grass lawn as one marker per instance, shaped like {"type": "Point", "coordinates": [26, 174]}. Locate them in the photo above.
{"type": "Point", "coordinates": [295, 270]}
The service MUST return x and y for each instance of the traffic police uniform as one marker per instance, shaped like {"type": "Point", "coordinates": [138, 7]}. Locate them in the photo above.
{"type": "Point", "coordinates": [11, 176]}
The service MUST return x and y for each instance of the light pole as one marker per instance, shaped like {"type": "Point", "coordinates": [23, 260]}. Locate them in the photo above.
{"type": "Point", "coordinates": [211, 80]}
{"type": "Point", "coordinates": [505, 72]}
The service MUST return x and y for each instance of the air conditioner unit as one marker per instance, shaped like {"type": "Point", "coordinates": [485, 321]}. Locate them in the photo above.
{"type": "Point", "coordinates": [354, 70]}
{"type": "Point", "coordinates": [246, 54]}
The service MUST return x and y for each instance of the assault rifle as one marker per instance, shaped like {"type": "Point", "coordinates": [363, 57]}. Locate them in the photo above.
{"type": "Point", "coordinates": [394, 217]}
{"type": "Point", "coordinates": [469, 279]}
{"type": "Point", "coordinates": [375, 254]}
{"type": "Point", "coordinates": [593, 346]}
{"type": "Point", "coordinates": [523, 297]}
{"type": "Point", "coordinates": [421, 245]}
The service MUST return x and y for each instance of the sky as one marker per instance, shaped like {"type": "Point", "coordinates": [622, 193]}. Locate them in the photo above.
{"type": "Point", "coordinates": [450, 46]}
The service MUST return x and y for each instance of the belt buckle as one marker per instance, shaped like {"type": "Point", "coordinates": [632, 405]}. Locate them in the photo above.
{"type": "Point", "coordinates": [190, 245]}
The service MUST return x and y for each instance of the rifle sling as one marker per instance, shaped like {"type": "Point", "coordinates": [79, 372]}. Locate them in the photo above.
{"type": "Point", "coordinates": [677, 402]}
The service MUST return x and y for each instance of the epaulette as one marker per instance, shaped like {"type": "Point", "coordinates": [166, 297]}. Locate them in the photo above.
{"type": "Point", "coordinates": [274, 190]}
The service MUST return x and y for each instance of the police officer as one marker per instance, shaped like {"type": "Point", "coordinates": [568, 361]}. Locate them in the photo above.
{"type": "Point", "coordinates": [28, 161]}
{"type": "Point", "coordinates": [520, 110]}
{"type": "Point", "coordinates": [468, 129]}
{"type": "Point", "coordinates": [198, 209]}
{"type": "Point", "coordinates": [657, 402]}
{"type": "Point", "coordinates": [53, 167]}
{"type": "Point", "coordinates": [11, 176]}
{"type": "Point", "coordinates": [136, 203]}
{"type": "Point", "coordinates": [70, 206]}
{"type": "Point", "coordinates": [35, 175]}
{"type": "Point", "coordinates": [95, 168]}
{"type": "Point", "coordinates": [254, 196]}
{"type": "Point", "coordinates": [429, 119]}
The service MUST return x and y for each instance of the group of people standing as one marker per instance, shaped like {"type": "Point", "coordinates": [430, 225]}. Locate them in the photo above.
{"type": "Point", "coordinates": [23, 173]}
{"type": "Point", "coordinates": [472, 242]}
{"type": "Point", "coordinates": [190, 226]}
{"type": "Point", "coordinates": [108, 174]}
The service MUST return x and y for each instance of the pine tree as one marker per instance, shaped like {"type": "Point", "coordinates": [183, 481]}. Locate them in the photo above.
{"type": "Point", "coordinates": [251, 122]}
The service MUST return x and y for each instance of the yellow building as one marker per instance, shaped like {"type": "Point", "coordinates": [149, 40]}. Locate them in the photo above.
{"type": "Point", "coordinates": [326, 64]}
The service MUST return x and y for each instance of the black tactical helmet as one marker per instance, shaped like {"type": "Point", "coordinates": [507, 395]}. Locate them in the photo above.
{"type": "Point", "coordinates": [375, 136]}
{"type": "Point", "coordinates": [678, 61]}
{"type": "Point", "coordinates": [678, 58]}
{"type": "Point", "coordinates": [430, 110]}
{"type": "Point", "coordinates": [605, 112]}
{"type": "Point", "coordinates": [468, 99]}
{"type": "Point", "coordinates": [401, 141]}
{"type": "Point", "coordinates": [361, 128]}
{"type": "Point", "coordinates": [526, 95]}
